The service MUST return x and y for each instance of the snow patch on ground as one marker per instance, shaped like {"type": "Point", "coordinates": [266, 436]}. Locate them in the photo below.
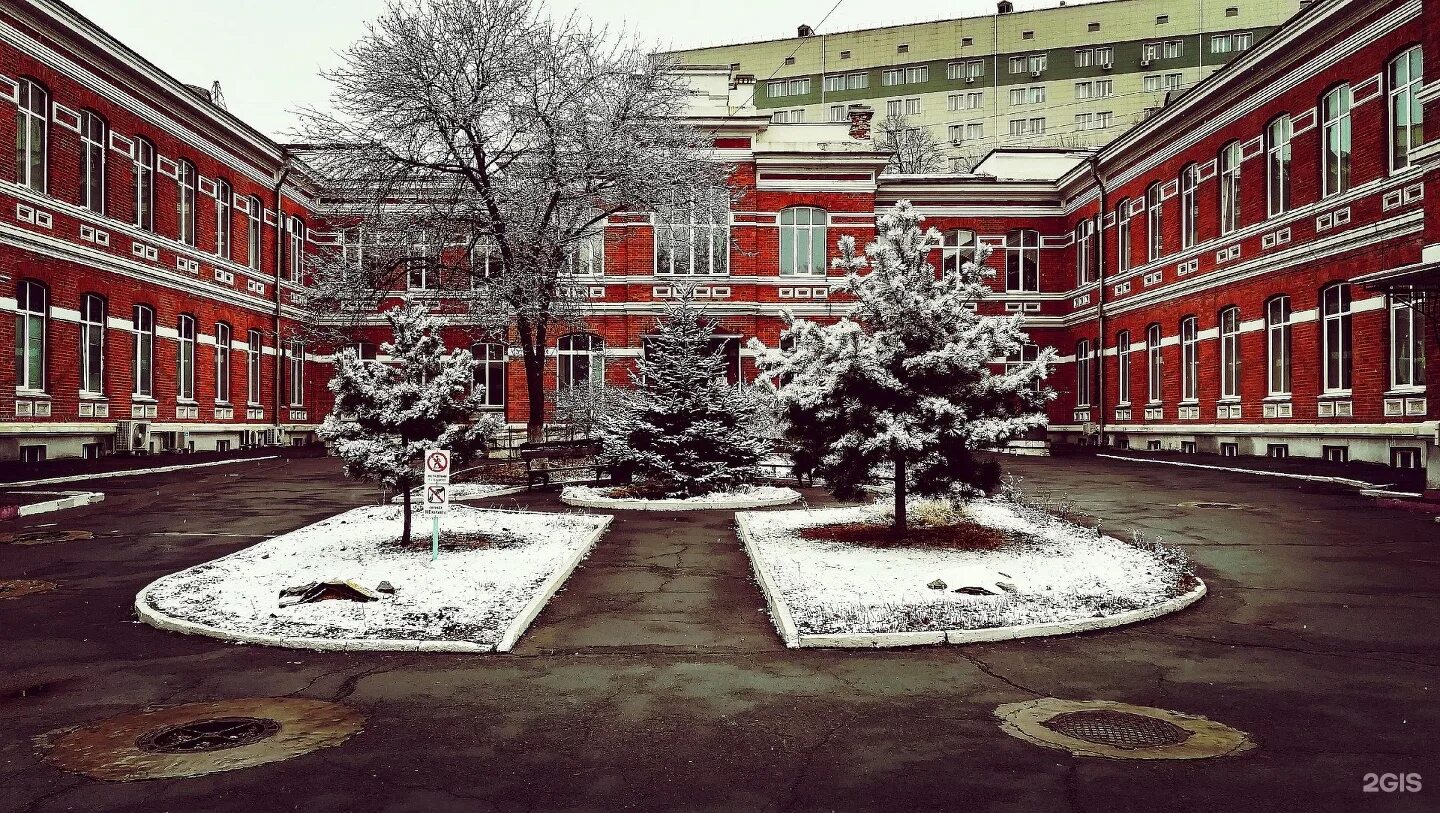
{"type": "Point", "coordinates": [750, 497]}
{"type": "Point", "coordinates": [1059, 573]}
{"type": "Point", "coordinates": [494, 572]}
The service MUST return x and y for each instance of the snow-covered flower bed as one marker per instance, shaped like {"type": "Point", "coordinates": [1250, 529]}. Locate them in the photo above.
{"type": "Point", "coordinates": [495, 572]}
{"type": "Point", "coordinates": [466, 491]}
{"type": "Point", "coordinates": [622, 497]}
{"type": "Point", "coordinates": [1027, 573]}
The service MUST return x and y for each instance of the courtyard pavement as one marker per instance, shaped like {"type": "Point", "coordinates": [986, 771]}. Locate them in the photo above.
{"type": "Point", "coordinates": [655, 681]}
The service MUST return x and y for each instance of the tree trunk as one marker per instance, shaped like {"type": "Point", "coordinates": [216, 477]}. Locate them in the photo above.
{"type": "Point", "coordinates": [405, 536]}
{"type": "Point", "coordinates": [532, 345]}
{"type": "Point", "coordinates": [900, 519]}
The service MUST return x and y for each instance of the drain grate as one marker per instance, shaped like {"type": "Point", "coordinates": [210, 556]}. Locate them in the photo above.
{"type": "Point", "coordinates": [1117, 729]}
{"type": "Point", "coordinates": [214, 734]}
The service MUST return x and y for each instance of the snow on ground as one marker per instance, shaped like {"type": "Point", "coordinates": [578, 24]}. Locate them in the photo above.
{"type": "Point", "coordinates": [1058, 572]}
{"type": "Point", "coordinates": [493, 566]}
{"type": "Point", "coordinates": [466, 491]}
{"type": "Point", "coordinates": [747, 497]}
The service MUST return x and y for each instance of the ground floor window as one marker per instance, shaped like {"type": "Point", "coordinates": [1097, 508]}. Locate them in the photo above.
{"type": "Point", "coordinates": [581, 360]}
{"type": "Point", "coordinates": [490, 374]}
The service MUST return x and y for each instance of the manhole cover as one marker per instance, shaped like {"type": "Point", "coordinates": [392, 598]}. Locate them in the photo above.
{"type": "Point", "coordinates": [44, 537]}
{"type": "Point", "coordinates": [1104, 728]}
{"type": "Point", "coordinates": [215, 734]}
{"type": "Point", "coordinates": [1219, 506]}
{"type": "Point", "coordinates": [15, 588]}
{"type": "Point", "coordinates": [1117, 729]}
{"type": "Point", "coordinates": [199, 738]}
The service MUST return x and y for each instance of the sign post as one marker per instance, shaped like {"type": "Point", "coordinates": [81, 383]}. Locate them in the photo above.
{"type": "Point", "coordinates": [437, 493]}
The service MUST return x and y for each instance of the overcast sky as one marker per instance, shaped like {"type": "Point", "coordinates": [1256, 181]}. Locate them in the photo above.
{"type": "Point", "coordinates": [265, 53]}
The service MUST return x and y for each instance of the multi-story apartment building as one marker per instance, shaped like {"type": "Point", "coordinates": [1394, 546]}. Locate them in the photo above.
{"type": "Point", "coordinates": [1071, 76]}
{"type": "Point", "coordinates": [1252, 270]}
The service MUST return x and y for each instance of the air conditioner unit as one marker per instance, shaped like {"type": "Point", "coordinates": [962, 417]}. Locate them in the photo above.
{"type": "Point", "coordinates": [954, 142]}
{"type": "Point", "coordinates": [132, 437]}
{"type": "Point", "coordinates": [969, 80]}
{"type": "Point", "coordinates": [1107, 65]}
{"type": "Point", "coordinates": [1145, 63]}
{"type": "Point", "coordinates": [1036, 72]}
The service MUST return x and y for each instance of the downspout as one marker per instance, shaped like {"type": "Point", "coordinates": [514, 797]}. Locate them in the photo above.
{"type": "Point", "coordinates": [1100, 290]}
{"type": "Point", "coordinates": [281, 244]}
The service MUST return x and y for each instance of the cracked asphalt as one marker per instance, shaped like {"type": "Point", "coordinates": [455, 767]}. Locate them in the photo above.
{"type": "Point", "coordinates": [654, 680]}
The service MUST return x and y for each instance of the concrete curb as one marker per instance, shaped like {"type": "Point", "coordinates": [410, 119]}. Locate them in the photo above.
{"type": "Point", "coordinates": [72, 499]}
{"type": "Point", "coordinates": [794, 639]}
{"type": "Point", "coordinates": [160, 620]}
{"type": "Point", "coordinates": [548, 590]}
{"type": "Point", "coordinates": [632, 504]}
{"type": "Point", "coordinates": [1314, 478]}
{"type": "Point", "coordinates": [105, 475]}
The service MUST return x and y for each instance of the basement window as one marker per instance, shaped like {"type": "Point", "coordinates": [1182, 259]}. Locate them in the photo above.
{"type": "Point", "coordinates": [1336, 454]}
{"type": "Point", "coordinates": [1187, 446]}
{"type": "Point", "coordinates": [1163, 19]}
{"type": "Point", "coordinates": [1229, 450]}
{"type": "Point", "coordinates": [1279, 451]}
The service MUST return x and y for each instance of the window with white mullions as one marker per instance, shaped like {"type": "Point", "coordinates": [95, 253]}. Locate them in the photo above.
{"type": "Point", "coordinates": [1230, 361]}
{"type": "Point", "coordinates": [1278, 345]}
{"type": "Point", "coordinates": [1022, 260]}
{"type": "Point", "coordinates": [32, 133]}
{"type": "Point", "coordinates": [581, 361]}
{"type": "Point", "coordinates": [695, 239]}
{"type": "Point", "coordinates": [224, 219]}
{"type": "Point", "coordinates": [1406, 115]}
{"type": "Point", "coordinates": [1082, 373]}
{"type": "Point", "coordinates": [1277, 164]}
{"type": "Point", "coordinates": [1229, 163]}
{"type": "Point", "coordinates": [1022, 359]}
{"type": "Point", "coordinates": [185, 181]}
{"type": "Point", "coordinates": [585, 257]}
{"type": "Point", "coordinates": [1154, 364]}
{"type": "Point", "coordinates": [185, 358]}
{"type": "Point", "coordinates": [1189, 359]}
{"type": "Point", "coordinates": [490, 373]}
{"type": "Point", "coordinates": [92, 161]}
{"type": "Point", "coordinates": [958, 247]}
{"type": "Point", "coordinates": [296, 255]}
{"type": "Point", "coordinates": [142, 368]}
{"type": "Point", "coordinates": [143, 171]}
{"type": "Point", "coordinates": [32, 315]}
{"type": "Point", "coordinates": [1155, 221]}
{"type": "Point", "coordinates": [803, 232]}
{"type": "Point", "coordinates": [1189, 208]}
{"type": "Point", "coordinates": [253, 220]}
{"type": "Point", "coordinates": [1337, 340]}
{"type": "Point", "coordinates": [295, 381]}
{"type": "Point", "coordinates": [1122, 356]}
{"type": "Point", "coordinates": [1407, 342]}
{"type": "Point", "coordinates": [254, 352]}
{"type": "Point", "coordinates": [222, 363]}
{"type": "Point", "coordinates": [92, 344]}
{"type": "Point", "coordinates": [1122, 236]}
{"type": "Point", "coordinates": [1335, 137]}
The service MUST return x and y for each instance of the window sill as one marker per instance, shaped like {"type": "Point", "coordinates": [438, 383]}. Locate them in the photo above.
{"type": "Point", "coordinates": [187, 401]}
{"type": "Point", "coordinates": [93, 396]}
{"type": "Point", "coordinates": [1341, 394]}
{"type": "Point", "coordinates": [1278, 397]}
{"type": "Point", "coordinates": [143, 399]}
{"type": "Point", "coordinates": [24, 393]}
{"type": "Point", "coordinates": [1401, 392]}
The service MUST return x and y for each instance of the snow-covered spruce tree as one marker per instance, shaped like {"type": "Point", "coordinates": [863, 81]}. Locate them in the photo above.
{"type": "Point", "coordinates": [908, 381]}
{"type": "Point", "coordinates": [683, 428]}
{"type": "Point", "coordinates": [387, 414]}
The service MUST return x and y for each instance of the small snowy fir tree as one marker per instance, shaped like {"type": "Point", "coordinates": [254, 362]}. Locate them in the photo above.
{"type": "Point", "coordinates": [387, 415]}
{"type": "Point", "coordinates": [908, 382]}
{"type": "Point", "coordinates": [683, 429]}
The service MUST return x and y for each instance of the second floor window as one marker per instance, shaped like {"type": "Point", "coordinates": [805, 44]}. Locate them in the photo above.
{"type": "Point", "coordinates": [1122, 236]}
{"type": "Point", "coordinates": [92, 161]}
{"type": "Point", "coordinates": [697, 241]}
{"type": "Point", "coordinates": [1022, 260]}
{"type": "Point", "coordinates": [253, 218]}
{"type": "Point", "coordinates": [223, 219]}
{"type": "Point", "coordinates": [958, 247]}
{"type": "Point", "coordinates": [1277, 165]}
{"type": "Point", "coordinates": [1335, 332]}
{"type": "Point", "coordinates": [1277, 345]}
{"type": "Point", "coordinates": [296, 254]}
{"type": "Point", "coordinates": [92, 344]}
{"type": "Point", "coordinates": [803, 232]}
{"type": "Point", "coordinates": [1155, 222]}
{"type": "Point", "coordinates": [1406, 114]}
{"type": "Point", "coordinates": [142, 368]}
{"type": "Point", "coordinates": [32, 131]}
{"type": "Point", "coordinates": [1229, 162]}
{"type": "Point", "coordinates": [295, 355]}
{"type": "Point", "coordinates": [585, 257]}
{"type": "Point", "coordinates": [143, 171]}
{"type": "Point", "coordinates": [1189, 214]}
{"type": "Point", "coordinates": [1189, 359]}
{"type": "Point", "coordinates": [1230, 353]}
{"type": "Point", "coordinates": [185, 359]}
{"type": "Point", "coordinates": [185, 180]}
{"type": "Point", "coordinates": [1335, 133]}
{"type": "Point", "coordinates": [1084, 244]}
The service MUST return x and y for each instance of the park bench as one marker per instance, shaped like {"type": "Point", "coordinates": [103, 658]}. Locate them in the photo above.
{"type": "Point", "coordinates": [545, 459]}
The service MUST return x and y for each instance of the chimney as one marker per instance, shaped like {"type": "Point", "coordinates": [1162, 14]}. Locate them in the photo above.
{"type": "Point", "coordinates": [805, 31]}
{"type": "Point", "coordinates": [860, 116]}
{"type": "Point", "coordinates": [1005, 7]}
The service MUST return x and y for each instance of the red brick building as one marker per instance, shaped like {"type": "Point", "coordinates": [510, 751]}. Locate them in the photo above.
{"type": "Point", "coordinates": [1234, 275]}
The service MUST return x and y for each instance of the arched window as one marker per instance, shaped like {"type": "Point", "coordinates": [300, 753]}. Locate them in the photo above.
{"type": "Point", "coordinates": [802, 241]}
{"type": "Point", "coordinates": [957, 247]}
{"type": "Point", "coordinates": [1189, 359]}
{"type": "Point", "coordinates": [1229, 163]}
{"type": "Point", "coordinates": [185, 180]}
{"type": "Point", "coordinates": [1335, 135]}
{"type": "Point", "coordinates": [1407, 342]}
{"type": "Point", "coordinates": [1189, 210]}
{"type": "Point", "coordinates": [224, 200]}
{"type": "Point", "coordinates": [254, 352]}
{"type": "Point", "coordinates": [32, 132]}
{"type": "Point", "coordinates": [1336, 327]}
{"type": "Point", "coordinates": [1230, 353]}
{"type": "Point", "coordinates": [696, 240]}
{"type": "Point", "coordinates": [92, 161]}
{"type": "Point", "coordinates": [1277, 164]}
{"type": "Point", "coordinates": [490, 373]}
{"type": "Point", "coordinates": [296, 254]}
{"type": "Point", "coordinates": [1335, 310]}
{"type": "Point", "coordinates": [32, 314]}
{"type": "Point", "coordinates": [1155, 222]}
{"type": "Point", "coordinates": [92, 344]}
{"type": "Point", "coordinates": [144, 173]}
{"type": "Point", "coordinates": [1122, 236]}
{"type": "Point", "coordinates": [142, 367]}
{"type": "Point", "coordinates": [253, 218]}
{"type": "Point", "coordinates": [581, 358]}
{"type": "Point", "coordinates": [1082, 373]}
{"type": "Point", "coordinates": [1405, 110]}
{"type": "Point", "coordinates": [185, 358]}
{"type": "Point", "coordinates": [1022, 260]}
{"type": "Point", "coordinates": [1122, 355]}
{"type": "Point", "coordinates": [222, 362]}
{"type": "Point", "coordinates": [1154, 363]}
{"type": "Point", "coordinates": [1278, 345]}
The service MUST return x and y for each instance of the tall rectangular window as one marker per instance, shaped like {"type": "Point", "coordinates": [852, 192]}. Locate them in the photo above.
{"type": "Point", "coordinates": [1082, 373]}
{"type": "Point", "coordinates": [1407, 343]}
{"type": "Point", "coordinates": [222, 362]}
{"type": "Point", "coordinates": [1230, 187]}
{"type": "Point", "coordinates": [143, 359]}
{"type": "Point", "coordinates": [802, 241]}
{"type": "Point", "coordinates": [224, 200]}
{"type": "Point", "coordinates": [185, 181]}
{"type": "Point", "coordinates": [1155, 222]}
{"type": "Point", "coordinates": [296, 255]}
{"type": "Point", "coordinates": [1336, 332]}
{"type": "Point", "coordinates": [1277, 165]}
{"type": "Point", "coordinates": [1335, 134]}
{"type": "Point", "coordinates": [253, 218]}
{"type": "Point", "coordinates": [144, 174]}
{"type": "Point", "coordinates": [92, 161]}
{"type": "Point", "coordinates": [1406, 114]}
{"type": "Point", "coordinates": [295, 356]}
{"type": "Point", "coordinates": [185, 358]}
{"type": "Point", "coordinates": [32, 131]}
{"type": "Point", "coordinates": [1154, 364]}
{"type": "Point", "coordinates": [1122, 355]}
{"type": "Point", "coordinates": [1189, 359]}
{"type": "Point", "coordinates": [32, 312]}
{"type": "Point", "coordinates": [1084, 250]}
{"type": "Point", "coordinates": [1189, 216]}
{"type": "Point", "coordinates": [1022, 260]}
{"type": "Point", "coordinates": [1230, 353]}
{"type": "Point", "coordinates": [92, 344]}
{"type": "Point", "coordinates": [490, 374]}
{"type": "Point", "coordinates": [1278, 345]}
{"type": "Point", "coordinates": [1122, 236]}
{"type": "Point", "coordinates": [696, 240]}
{"type": "Point", "coordinates": [254, 352]}
{"type": "Point", "coordinates": [585, 257]}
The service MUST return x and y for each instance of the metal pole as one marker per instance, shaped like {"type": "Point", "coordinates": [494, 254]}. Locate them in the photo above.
{"type": "Point", "coordinates": [434, 537]}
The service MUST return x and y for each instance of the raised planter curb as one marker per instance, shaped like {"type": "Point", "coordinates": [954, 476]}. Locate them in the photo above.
{"type": "Point", "coordinates": [164, 621]}
{"type": "Point", "coordinates": [72, 499]}
{"type": "Point", "coordinates": [794, 639]}
{"type": "Point", "coordinates": [634, 504]}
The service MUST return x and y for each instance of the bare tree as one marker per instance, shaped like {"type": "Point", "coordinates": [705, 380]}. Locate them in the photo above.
{"type": "Point", "coordinates": [477, 147]}
{"type": "Point", "coordinates": [913, 149]}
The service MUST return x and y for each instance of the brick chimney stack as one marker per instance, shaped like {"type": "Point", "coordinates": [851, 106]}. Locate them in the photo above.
{"type": "Point", "coordinates": [860, 116]}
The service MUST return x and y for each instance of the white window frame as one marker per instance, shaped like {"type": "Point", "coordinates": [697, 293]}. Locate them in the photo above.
{"type": "Point", "coordinates": [143, 173]}
{"type": "Point", "coordinates": [254, 365]}
{"type": "Point", "coordinates": [1335, 140]}
{"type": "Point", "coordinates": [142, 360]}
{"type": "Point", "coordinates": [295, 378]}
{"type": "Point", "coordinates": [1230, 357]}
{"type": "Point", "coordinates": [224, 219]}
{"type": "Point", "coordinates": [1189, 205]}
{"type": "Point", "coordinates": [223, 337]}
{"type": "Point", "coordinates": [1154, 223]}
{"type": "Point", "coordinates": [185, 332]}
{"type": "Point", "coordinates": [93, 312]}
{"type": "Point", "coordinates": [1337, 339]}
{"type": "Point", "coordinates": [93, 135]}
{"type": "Point", "coordinates": [1279, 347]}
{"type": "Point", "coordinates": [801, 240]}
{"type": "Point", "coordinates": [1123, 237]}
{"type": "Point", "coordinates": [490, 373]}
{"type": "Point", "coordinates": [1405, 74]}
{"type": "Point", "coordinates": [1154, 363]}
{"type": "Point", "coordinates": [32, 138]}
{"type": "Point", "coordinates": [1022, 260]}
{"type": "Point", "coordinates": [585, 256]}
{"type": "Point", "coordinates": [1228, 163]}
{"type": "Point", "coordinates": [1122, 358]}
{"type": "Point", "coordinates": [568, 351]}
{"type": "Point", "coordinates": [701, 239]}
{"type": "Point", "coordinates": [1277, 165]}
{"type": "Point", "coordinates": [295, 230]}
{"type": "Point", "coordinates": [185, 180]}
{"type": "Point", "coordinates": [32, 335]}
{"type": "Point", "coordinates": [1189, 359]}
{"type": "Point", "coordinates": [253, 240]}
{"type": "Point", "coordinates": [1407, 344]}
{"type": "Point", "coordinates": [1082, 373]}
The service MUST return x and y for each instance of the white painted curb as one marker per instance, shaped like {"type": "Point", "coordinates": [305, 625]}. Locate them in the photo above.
{"type": "Point", "coordinates": [105, 475]}
{"type": "Point", "coordinates": [793, 638]}
{"type": "Point", "coordinates": [1314, 478]}
{"type": "Point", "coordinates": [160, 620]}
{"type": "Point", "coordinates": [633, 504]}
{"type": "Point", "coordinates": [72, 499]}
